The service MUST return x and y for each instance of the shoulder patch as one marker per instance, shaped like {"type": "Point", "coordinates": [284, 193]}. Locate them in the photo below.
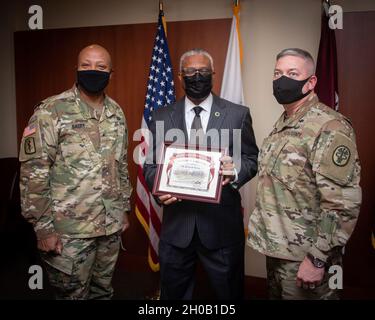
{"type": "Point", "coordinates": [29, 130]}
{"type": "Point", "coordinates": [337, 162]}
{"type": "Point", "coordinates": [341, 156]}
{"type": "Point", "coordinates": [29, 145]}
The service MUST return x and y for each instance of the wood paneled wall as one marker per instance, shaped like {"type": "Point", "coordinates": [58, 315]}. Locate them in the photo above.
{"type": "Point", "coordinates": [356, 69]}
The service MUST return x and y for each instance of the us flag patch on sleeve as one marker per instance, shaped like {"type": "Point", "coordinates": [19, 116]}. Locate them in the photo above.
{"type": "Point", "coordinates": [29, 130]}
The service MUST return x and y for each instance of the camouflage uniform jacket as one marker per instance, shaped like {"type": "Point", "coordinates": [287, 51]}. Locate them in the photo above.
{"type": "Point", "coordinates": [74, 176]}
{"type": "Point", "coordinates": [308, 193]}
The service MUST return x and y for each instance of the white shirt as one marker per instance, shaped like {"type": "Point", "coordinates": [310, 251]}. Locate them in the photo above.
{"type": "Point", "coordinates": [205, 113]}
{"type": "Point", "coordinates": [205, 117]}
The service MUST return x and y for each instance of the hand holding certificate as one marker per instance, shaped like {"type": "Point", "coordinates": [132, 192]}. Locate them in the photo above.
{"type": "Point", "coordinates": [188, 173]}
{"type": "Point", "coordinates": [227, 169]}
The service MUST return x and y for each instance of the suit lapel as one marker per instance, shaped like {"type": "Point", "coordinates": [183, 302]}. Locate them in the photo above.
{"type": "Point", "coordinates": [218, 113]}
{"type": "Point", "coordinates": [178, 116]}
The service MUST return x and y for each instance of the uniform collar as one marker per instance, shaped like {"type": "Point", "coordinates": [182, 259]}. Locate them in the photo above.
{"type": "Point", "coordinates": [294, 119]}
{"type": "Point", "coordinates": [88, 111]}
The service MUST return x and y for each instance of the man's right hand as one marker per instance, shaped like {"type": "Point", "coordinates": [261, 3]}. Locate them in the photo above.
{"type": "Point", "coordinates": [50, 244]}
{"type": "Point", "coordinates": [167, 199]}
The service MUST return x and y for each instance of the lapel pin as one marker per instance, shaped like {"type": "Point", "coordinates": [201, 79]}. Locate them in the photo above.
{"type": "Point", "coordinates": [217, 114]}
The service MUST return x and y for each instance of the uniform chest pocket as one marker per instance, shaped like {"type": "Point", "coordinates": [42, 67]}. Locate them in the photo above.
{"type": "Point", "coordinates": [111, 137]}
{"type": "Point", "coordinates": [119, 142]}
{"type": "Point", "coordinates": [76, 146]}
{"type": "Point", "coordinates": [265, 156]}
{"type": "Point", "coordinates": [286, 164]}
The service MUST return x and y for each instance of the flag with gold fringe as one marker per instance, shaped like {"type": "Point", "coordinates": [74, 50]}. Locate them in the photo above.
{"type": "Point", "coordinates": [160, 92]}
{"type": "Point", "coordinates": [232, 86]}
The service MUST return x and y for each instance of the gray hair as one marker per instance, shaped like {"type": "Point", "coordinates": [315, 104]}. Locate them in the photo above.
{"type": "Point", "coordinates": [297, 52]}
{"type": "Point", "coordinates": [195, 52]}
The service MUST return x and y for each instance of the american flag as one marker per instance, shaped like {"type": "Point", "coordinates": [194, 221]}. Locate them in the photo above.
{"type": "Point", "coordinates": [160, 93]}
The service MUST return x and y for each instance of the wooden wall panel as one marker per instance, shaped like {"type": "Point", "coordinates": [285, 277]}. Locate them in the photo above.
{"type": "Point", "coordinates": [356, 68]}
{"type": "Point", "coordinates": [46, 64]}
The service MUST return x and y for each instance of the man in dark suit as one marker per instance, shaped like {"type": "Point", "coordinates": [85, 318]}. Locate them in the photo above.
{"type": "Point", "coordinates": [214, 233]}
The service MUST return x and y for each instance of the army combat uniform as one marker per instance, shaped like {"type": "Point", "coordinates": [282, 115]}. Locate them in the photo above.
{"type": "Point", "coordinates": [308, 196]}
{"type": "Point", "coordinates": [74, 182]}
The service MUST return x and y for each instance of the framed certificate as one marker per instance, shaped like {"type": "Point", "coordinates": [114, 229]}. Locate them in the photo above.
{"type": "Point", "coordinates": [189, 173]}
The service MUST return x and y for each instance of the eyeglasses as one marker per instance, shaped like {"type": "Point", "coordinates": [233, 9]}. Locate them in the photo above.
{"type": "Point", "coordinates": [192, 71]}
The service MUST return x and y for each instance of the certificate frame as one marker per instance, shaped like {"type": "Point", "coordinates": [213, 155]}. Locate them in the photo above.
{"type": "Point", "coordinates": [204, 184]}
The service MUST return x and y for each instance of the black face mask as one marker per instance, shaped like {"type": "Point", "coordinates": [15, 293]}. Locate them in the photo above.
{"type": "Point", "coordinates": [198, 86]}
{"type": "Point", "coordinates": [93, 81]}
{"type": "Point", "coordinates": [287, 90]}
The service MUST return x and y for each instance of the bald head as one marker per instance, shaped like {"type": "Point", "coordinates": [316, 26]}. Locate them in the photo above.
{"type": "Point", "coordinates": [94, 57]}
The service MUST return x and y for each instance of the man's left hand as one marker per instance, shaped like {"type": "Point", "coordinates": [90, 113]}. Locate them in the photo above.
{"type": "Point", "coordinates": [309, 276]}
{"type": "Point", "coordinates": [227, 169]}
{"type": "Point", "coordinates": [126, 222]}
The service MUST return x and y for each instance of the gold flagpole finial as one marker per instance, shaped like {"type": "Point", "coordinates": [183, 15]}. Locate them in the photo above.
{"type": "Point", "coordinates": [160, 5]}
{"type": "Point", "coordinates": [161, 13]}
{"type": "Point", "coordinates": [236, 7]}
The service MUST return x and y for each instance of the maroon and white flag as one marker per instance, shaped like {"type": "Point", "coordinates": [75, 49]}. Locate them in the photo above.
{"type": "Point", "coordinates": [326, 67]}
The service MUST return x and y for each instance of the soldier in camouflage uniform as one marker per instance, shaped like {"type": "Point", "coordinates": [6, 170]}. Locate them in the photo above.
{"type": "Point", "coordinates": [308, 193]}
{"type": "Point", "coordinates": [74, 181]}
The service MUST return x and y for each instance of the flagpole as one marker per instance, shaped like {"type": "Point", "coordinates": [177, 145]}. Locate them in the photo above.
{"type": "Point", "coordinates": [161, 13]}
{"type": "Point", "coordinates": [161, 5]}
{"type": "Point", "coordinates": [326, 5]}
{"type": "Point", "coordinates": [236, 13]}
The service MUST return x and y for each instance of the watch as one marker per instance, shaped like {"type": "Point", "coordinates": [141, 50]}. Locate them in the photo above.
{"type": "Point", "coordinates": [316, 262]}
